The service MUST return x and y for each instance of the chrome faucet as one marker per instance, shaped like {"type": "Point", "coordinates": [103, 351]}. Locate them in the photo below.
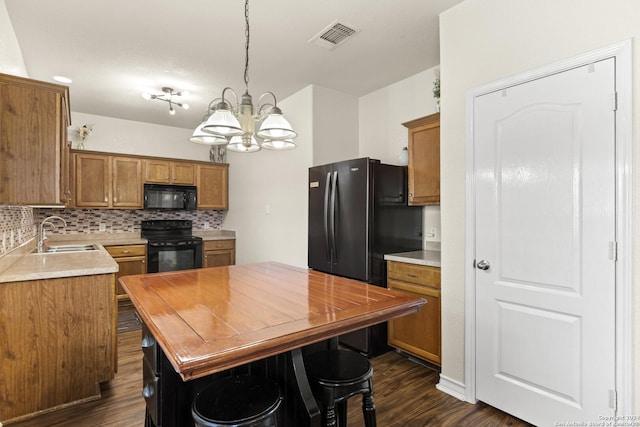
{"type": "Point", "coordinates": [42, 236]}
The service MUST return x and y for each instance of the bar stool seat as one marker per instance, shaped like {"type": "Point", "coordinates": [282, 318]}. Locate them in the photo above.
{"type": "Point", "coordinates": [336, 375]}
{"type": "Point", "coordinates": [238, 401]}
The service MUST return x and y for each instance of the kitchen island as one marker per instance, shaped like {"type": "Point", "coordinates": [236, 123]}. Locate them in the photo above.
{"type": "Point", "coordinates": [211, 320]}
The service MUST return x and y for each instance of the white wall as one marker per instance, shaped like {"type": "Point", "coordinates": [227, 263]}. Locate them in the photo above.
{"type": "Point", "coordinates": [382, 135]}
{"type": "Point", "coordinates": [485, 40]}
{"type": "Point", "coordinates": [11, 61]}
{"type": "Point", "coordinates": [382, 113]}
{"type": "Point", "coordinates": [273, 182]}
{"type": "Point", "coordinates": [129, 137]}
{"type": "Point", "coordinates": [335, 126]}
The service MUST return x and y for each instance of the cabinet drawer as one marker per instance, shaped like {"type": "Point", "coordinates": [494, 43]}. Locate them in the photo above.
{"type": "Point", "coordinates": [420, 274]}
{"type": "Point", "coordinates": [126, 250]}
{"type": "Point", "coordinates": [410, 287]}
{"type": "Point", "coordinates": [219, 244]}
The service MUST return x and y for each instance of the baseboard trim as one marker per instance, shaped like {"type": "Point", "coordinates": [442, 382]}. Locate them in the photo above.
{"type": "Point", "coordinates": [452, 388]}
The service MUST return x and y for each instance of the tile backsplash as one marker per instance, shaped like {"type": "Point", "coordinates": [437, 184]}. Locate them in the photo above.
{"type": "Point", "coordinates": [16, 227]}
{"type": "Point", "coordinates": [18, 224]}
{"type": "Point", "coordinates": [123, 221]}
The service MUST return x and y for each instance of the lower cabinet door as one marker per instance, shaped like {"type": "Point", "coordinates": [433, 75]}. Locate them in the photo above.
{"type": "Point", "coordinates": [419, 333]}
{"type": "Point", "coordinates": [127, 267]}
{"type": "Point", "coordinates": [217, 253]}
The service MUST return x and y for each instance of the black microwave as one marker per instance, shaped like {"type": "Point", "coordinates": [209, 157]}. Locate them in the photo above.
{"type": "Point", "coordinates": [176, 197]}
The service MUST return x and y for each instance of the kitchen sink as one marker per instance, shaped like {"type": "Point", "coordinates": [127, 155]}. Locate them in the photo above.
{"type": "Point", "coordinates": [68, 248]}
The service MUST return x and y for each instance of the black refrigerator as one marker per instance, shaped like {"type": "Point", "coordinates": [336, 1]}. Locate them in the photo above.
{"type": "Point", "coordinates": [358, 212]}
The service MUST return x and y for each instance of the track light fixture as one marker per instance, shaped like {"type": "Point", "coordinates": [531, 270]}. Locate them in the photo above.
{"type": "Point", "coordinates": [168, 95]}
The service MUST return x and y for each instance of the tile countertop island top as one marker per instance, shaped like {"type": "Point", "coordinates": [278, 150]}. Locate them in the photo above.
{"type": "Point", "coordinates": [428, 258]}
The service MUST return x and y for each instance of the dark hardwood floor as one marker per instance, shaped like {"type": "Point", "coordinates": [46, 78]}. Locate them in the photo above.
{"type": "Point", "coordinates": [405, 395]}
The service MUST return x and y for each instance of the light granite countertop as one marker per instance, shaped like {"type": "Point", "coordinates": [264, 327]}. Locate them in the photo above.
{"type": "Point", "coordinates": [35, 266]}
{"type": "Point", "coordinates": [111, 239]}
{"type": "Point", "coordinates": [428, 258]}
{"type": "Point", "coordinates": [23, 264]}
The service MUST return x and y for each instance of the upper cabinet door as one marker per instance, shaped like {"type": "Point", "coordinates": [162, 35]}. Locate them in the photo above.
{"type": "Point", "coordinates": [92, 179]}
{"type": "Point", "coordinates": [33, 121]}
{"type": "Point", "coordinates": [183, 173]}
{"type": "Point", "coordinates": [157, 171]}
{"type": "Point", "coordinates": [424, 160]}
{"type": "Point", "coordinates": [213, 186]}
{"type": "Point", "coordinates": [126, 182]}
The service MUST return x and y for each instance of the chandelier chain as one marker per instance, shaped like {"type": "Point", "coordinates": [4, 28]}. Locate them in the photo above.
{"type": "Point", "coordinates": [246, 56]}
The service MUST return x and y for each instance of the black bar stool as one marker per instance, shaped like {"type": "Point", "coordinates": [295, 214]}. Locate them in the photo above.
{"type": "Point", "coordinates": [238, 401]}
{"type": "Point", "coordinates": [336, 375]}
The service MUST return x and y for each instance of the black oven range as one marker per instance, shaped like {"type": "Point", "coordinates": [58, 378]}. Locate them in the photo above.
{"type": "Point", "coordinates": [171, 246]}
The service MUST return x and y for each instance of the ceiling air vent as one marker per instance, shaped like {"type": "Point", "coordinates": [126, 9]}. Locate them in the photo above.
{"type": "Point", "coordinates": [333, 35]}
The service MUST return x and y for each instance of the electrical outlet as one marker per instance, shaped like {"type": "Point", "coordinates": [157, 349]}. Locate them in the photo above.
{"type": "Point", "coordinates": [102, 227]}
{"type": "Point", "coordinates": [206, 225]}
{"type": "Point", "coordinates": [433, 235]}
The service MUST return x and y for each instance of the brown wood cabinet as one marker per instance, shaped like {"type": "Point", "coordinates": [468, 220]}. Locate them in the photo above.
{"type": "Point", "coordinates": [107, 181]}
{"type": "Point", "coordinates": [217, 253]}
{"type": "Point", "coordinates": [418, 334]}
{"type": "Point", "coordinates": [169, 172]}
{"type": "Point", "coordinates": [131, 259]}
{"type": "Point", "coordinates": [34, 116]}
{"type": "Point", "coordinates": [58, 342]}
{"type": "Point", "coordinates": [213, 186]}
{"type": "Point", "coordinates": [103, 180]}
{"type": "Point", "coordinates": [424, 160]}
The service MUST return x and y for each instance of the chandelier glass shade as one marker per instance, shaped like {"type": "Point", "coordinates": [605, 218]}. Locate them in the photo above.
{"type": "Point", "coordinates": [242, 127]}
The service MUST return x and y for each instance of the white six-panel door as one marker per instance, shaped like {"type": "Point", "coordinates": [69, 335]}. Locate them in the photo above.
{"type": "Point", "coordinates": [545, 252]}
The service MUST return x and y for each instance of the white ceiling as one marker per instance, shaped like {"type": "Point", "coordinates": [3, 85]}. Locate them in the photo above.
{"type": "Point", "coordinates": [115, 49]}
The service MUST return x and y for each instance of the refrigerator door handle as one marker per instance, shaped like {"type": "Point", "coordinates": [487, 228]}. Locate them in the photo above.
{"type": "Point", "coordinates": [327, 189]}
{"type": "Point", "coordinates": [332, 222]}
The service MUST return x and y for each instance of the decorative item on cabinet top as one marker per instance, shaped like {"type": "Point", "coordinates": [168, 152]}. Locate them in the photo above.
{"type": "Point", "coordinates": [83, 132]}
{"type": "Point", "coordinates": [436, 92]}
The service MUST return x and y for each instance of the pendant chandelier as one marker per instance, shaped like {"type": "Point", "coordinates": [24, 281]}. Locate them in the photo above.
{"type": "Point", "coordinates": [242, 127]}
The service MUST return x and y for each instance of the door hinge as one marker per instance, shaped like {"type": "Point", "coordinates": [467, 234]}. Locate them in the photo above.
{"type": "Point", "coordinates": [613, 400]}
{"type": "Point", "coordinates": [614, 101]}
{"type": "Point", "coordinates": [474, 263]}
{"type": "Point", "coordinates": [613, 251]}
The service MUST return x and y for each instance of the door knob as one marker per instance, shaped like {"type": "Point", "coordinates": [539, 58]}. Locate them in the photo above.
{"type": "Point", "coordinates": [483, 265]}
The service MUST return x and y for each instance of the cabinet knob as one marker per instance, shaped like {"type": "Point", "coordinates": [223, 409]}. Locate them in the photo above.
{"type": "Point", "coordinates": [126, 252]}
